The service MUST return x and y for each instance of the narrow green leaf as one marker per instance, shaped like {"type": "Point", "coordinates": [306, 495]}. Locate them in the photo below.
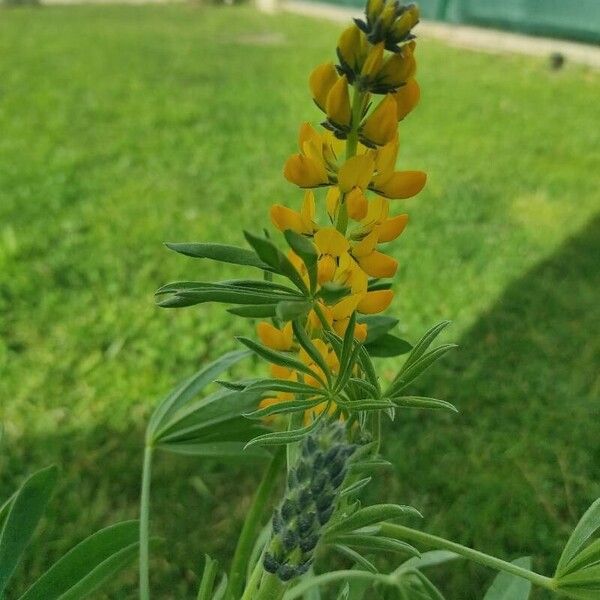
{"type": "Point", "coordinates": [312, 351]}
{"type": "Point", "coordinates": [280, 358]}
{"type": "Point", "coordinates": [587, 526]}
{"type": "Point", "coordinates": [22, 518]}
{"type": "Point", "coordinates": [278, 438]}
{"type": "Point", "coordinates": [427, 559]}
{"type": "Point", "coordinates": [270, 254]}
{"type": "Point", "coordinates": [369, 369]}
{"type": "Point", "coordinates": [587, 557]}
{"type": "Point", "coordinates": [407, 376]}
{"type": "Point", "coordinates": [289, 310]}
{"type": "Point", "coordinates": [209, 575]}
{"type": "Point", "coordinates": [510, 587]}
{"type": "Point", "coordinates": [356, 558]}
{"type": "Point", "coordinates": [368, 388]}
{"type": "Point", "coordinates": [307, 251]}
{"type": "Point", "coordinates": [422, 402]}
{"type": "Point", "coordinates": [221, 253]}
{"type": "Point", "coordinates": [424, 343]}
{"type": "Point", "coordinates": [285, 407]}
{"type": "Point", "coordinates": [222, 294]}
{"type": "Point", "coordinates": [369, 404]}
{"type": "Point", "coordinates": [388, 345]}
{"type": "Point", "coordinates": [191, 387]}
{"type": "Point", "coordinates": [221, 450]}
{"type": "Point", "coordinates": [432, 592]}
{"type": "Point", "coordinates": [375, 542]}
{"type": "Point", "coordinates": [79, 563]}
{"type": "Point", "coordinates": [258, 311]}
{"type": "Point", "coordinates": [285, 385]}
{"type": "Point", "coordinates": [377, 325]}
{"type": "Point", "coordinates": [372, 514]}
{"type": "Point", "coordinates": [331, 293]}
{"type": "Point", "coordinates": [355, 487]}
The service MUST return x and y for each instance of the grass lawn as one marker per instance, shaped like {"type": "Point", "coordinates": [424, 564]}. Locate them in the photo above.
{"type": "Point", "coordinates": [123, 127]}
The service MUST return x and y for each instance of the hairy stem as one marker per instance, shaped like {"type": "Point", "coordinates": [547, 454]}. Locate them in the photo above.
{"type": "Point", "coordinates": [251, 527]}
{"type": "Point", "coordinates": [406, 533]}
{"type": "Point", "coordinates": [145, 524]}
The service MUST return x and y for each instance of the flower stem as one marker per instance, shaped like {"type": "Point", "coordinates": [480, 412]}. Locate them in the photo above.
{"type": "Point", "coordinates": [406, 533]}
{"type": "Point", "coordinates": [145, 525]}
{"type": "Point", "coordinates": [251, 526]}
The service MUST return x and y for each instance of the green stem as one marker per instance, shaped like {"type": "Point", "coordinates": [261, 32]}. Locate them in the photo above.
{"type": "Point", "coordinates": [406, 533]}
{"type": "Point", "coordinates": [145, 524]}
{"type": "Point", "coordinates": [251, 527]}
{"type": "Point", "coordinates": [358, 97]}
{"type": "Point", "coordinates": [254, 582]}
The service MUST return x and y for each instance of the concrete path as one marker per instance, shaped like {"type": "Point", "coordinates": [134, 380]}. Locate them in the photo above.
{"type": "Point", "coordinates": [463, 36]}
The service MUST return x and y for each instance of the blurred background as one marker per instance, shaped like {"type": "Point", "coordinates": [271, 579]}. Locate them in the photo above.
{"type": "Point", "coordinates": [124, 126]}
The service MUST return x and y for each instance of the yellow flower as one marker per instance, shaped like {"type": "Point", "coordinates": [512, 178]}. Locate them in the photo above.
{"type": "Point", "coordinates": [337, 105]}
{"type": "Point", "coordinates": [381, 126]}
{"type": "Point", "coordinates": [301, 222]}
{"type": "Point", "coordinates": [352, 48]}
{"type": "Point", "coordinates": [321, 80]}
{"type": "Point", "coordinates": [374, 61]}
{"type": "Point", "coordinates": [375, 302]}
{"type": "Point", "coordinates": [356, 172]}
{"type": "Point", "coordinates": [395, 184]}
{"type": "Point", "coordinates": [398, 68]}
{"type": "Point", "coordinates": [407, 97]}
{"type": "Point", "coordinates": [390, 229]}
{"type": "Point", "coordinates": [277, 339]}
{"type": "Point", "coordinates": [341, 313]}
{"type": "Point", "coordinates": [371, 261]}
{"type": "Point", "coordinates": [331, 245]}
{"type": "Point", "coordinates": [309, 168]}
{"type": "Point", "coordinates": [407, 20]}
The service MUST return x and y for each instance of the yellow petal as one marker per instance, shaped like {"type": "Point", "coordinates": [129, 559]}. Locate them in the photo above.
{"type": "Point", "coordinates": [279, 372]}
{"type": "Point", "coordinates": [308, 134]}
{"type": "Point", "coordinates": [389, 230]}
{"type": "Point", "coordinates": [407, 97]}
{"type": "Point", "coordinates": [285, 218]}
{"type": "Point", "coordinates": [374, 61]}
{"type": "Point", "coordinates": [326, 269]}
{"type": "Point", "coordinates": [321, 80]}
{"type": "Point", "coordinates": [351, 47]}
{"type": "Point", "coordinates": [408, 19]}
{"type": "Point", "coordinates": [374, 8]}
{"type": "Point", "coordinates": [398, 68]}
{"type": "Point", "coordinates": [385, 160]}
{"type": "Point", "coordinates": [272, 337]}
{"type": "Point", "coordinates": [345, 307]}
{"type": "Point", "coordinates": [381, 126]}
{"type": "Point", "coordinates": [330, 241]}
{"type": "Point", "coordinates": [356, 172]}
{"type": "Point", "coordinates": [360, 332]}
{"type": "Point", "coordinates": [366, 245]}
{"type": "Point", "coordinates": [357, 204]}
{"type": "Point", "coordinates": [378, 264]}
{"type": "Point", "coordinates": [403, 184]}
{"type": "Point", "coordinates": [375, 302]}
{"type": "Point", "coordinates": [332, 200]}
{"type": "Point", "coordinates": [305, 172]}
{"type": "Point", "coordinates": [338, 103]}
{"type": "Point", "coordinates": [377, 212]}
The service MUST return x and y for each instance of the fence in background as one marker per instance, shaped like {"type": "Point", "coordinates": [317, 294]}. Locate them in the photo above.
{"type": "Point", "coordinates": [573, 19]}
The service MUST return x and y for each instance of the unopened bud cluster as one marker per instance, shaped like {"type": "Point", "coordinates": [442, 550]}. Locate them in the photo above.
{"type": "Point", "coordinates": [312, 490]}
{"type": "Point", "coordinates": [390, 22]}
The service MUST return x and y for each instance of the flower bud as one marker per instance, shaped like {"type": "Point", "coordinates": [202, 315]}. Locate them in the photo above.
{"type": "Point", "coordinates": [380, 127]}
{"type": "Point", "coordinates": [321, 80]}
{"type": "Point", "coordinates": [338, 104]}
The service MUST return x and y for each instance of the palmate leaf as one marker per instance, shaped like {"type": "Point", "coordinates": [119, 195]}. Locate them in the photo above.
{"type": "Point", "coordinates": [376, 543]}
{"type": "Point", "coordinates": [188, 390]}
{"type": "Point", "coordinates": [279, 438]}
{"type": "Point", "coordinates": [22, 517]}
{"type": "Point", "coordinates": [288, 310]}
{"type": "Point", "coordinates": [221, 253]}
{"type": "Point", "coordinates": [89, 564]}
{"type": "Point", "coordinates": [510, 587]}
{"type": "Point", "coordinates": [305, 342]}
{"type": "Point", "coordinates": [356, 557]}
{"type": "Point", "coordinates": [285, 407]}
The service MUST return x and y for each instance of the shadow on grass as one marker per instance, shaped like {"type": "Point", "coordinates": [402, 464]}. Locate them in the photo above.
{"type": "Point", "coordinates": [514, 471]}
{"type": "Point", "coordinates": [510, 475]}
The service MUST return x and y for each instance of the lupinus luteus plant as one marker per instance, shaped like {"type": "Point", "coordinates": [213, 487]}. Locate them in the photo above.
{"type": "Point", "coordinates": [323, 278]}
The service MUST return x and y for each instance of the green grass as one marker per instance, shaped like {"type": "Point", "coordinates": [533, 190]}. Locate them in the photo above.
{"type": "Point", "coordinates": [123, 127]}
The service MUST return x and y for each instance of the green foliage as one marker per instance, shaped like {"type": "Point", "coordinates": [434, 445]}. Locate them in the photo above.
{"type": "Point", "coordinates": [510, 587]}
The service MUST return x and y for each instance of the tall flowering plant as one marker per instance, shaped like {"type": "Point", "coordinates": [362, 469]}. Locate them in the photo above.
{"type": "Point", "coordinates": [321, 286]}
